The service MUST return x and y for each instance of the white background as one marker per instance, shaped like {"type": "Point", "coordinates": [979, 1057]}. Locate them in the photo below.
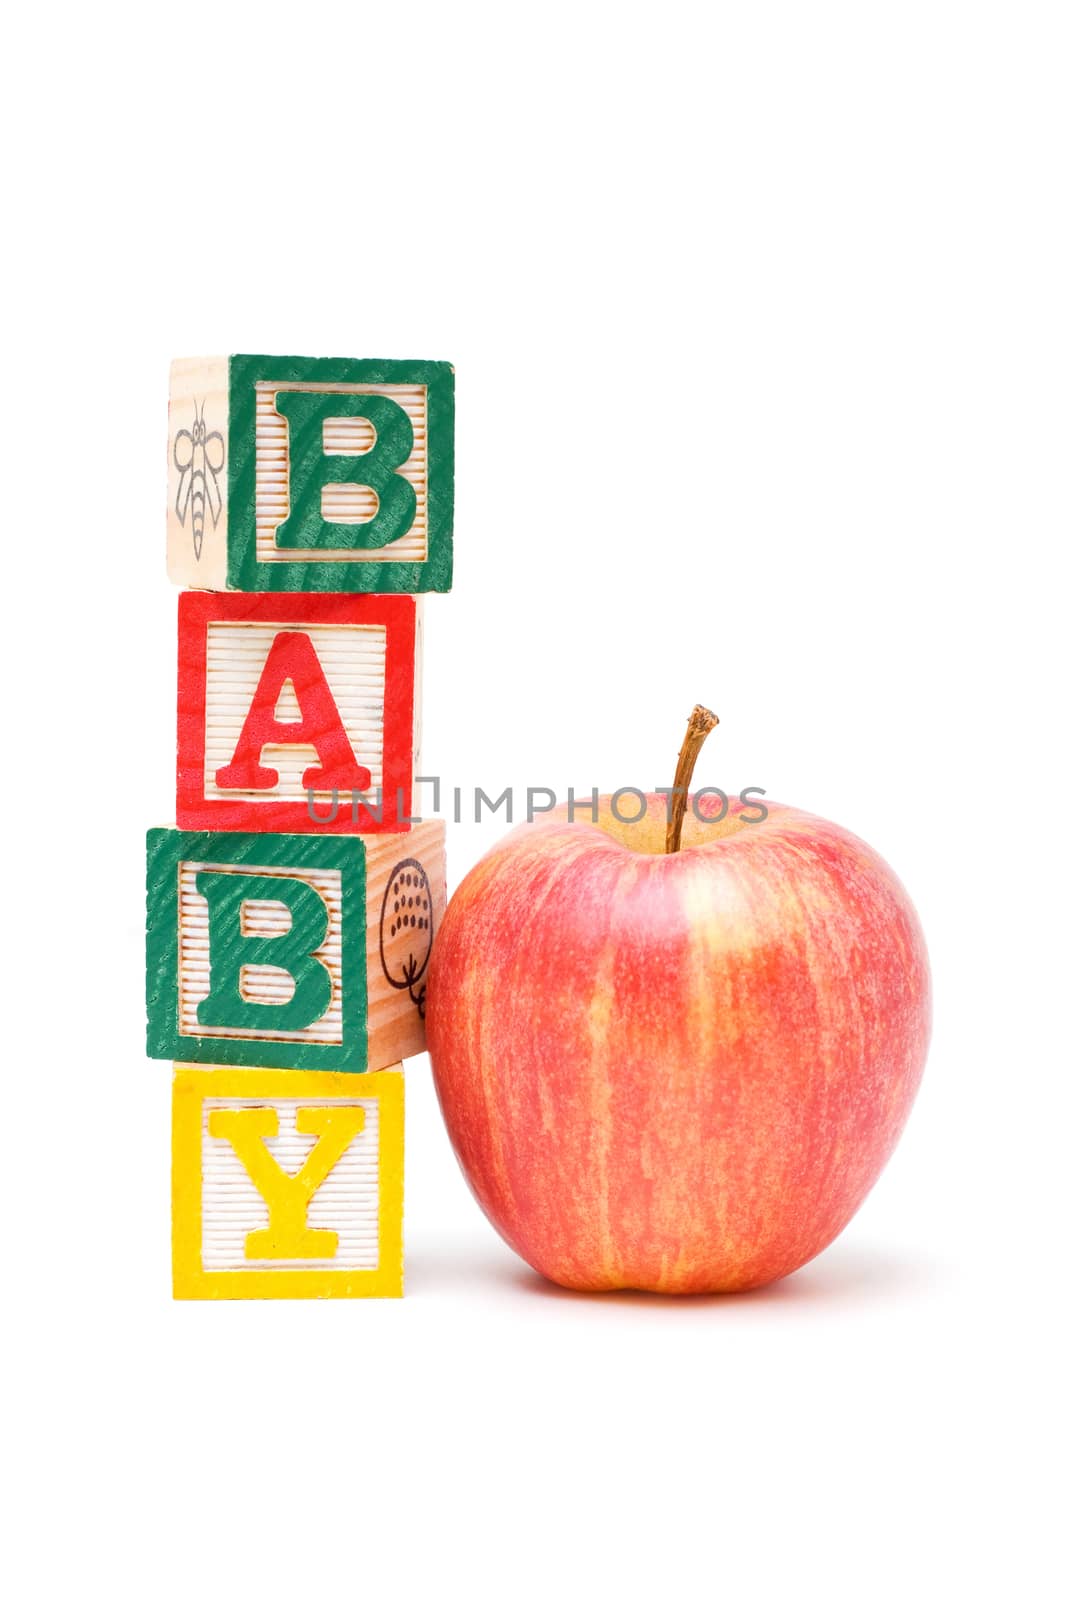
{"type": "Point", "coordinates": [758, 315]}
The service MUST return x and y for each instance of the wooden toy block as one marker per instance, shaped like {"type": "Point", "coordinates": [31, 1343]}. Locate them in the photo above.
{"type": "Point", "coordinates": [292, 707]}
{"type": "Point", "coordinates": [287, 1185]}
{"type": "Point", "coordinates": [293, 473]}
{"type": "Point", "coordinates": [280, 950]}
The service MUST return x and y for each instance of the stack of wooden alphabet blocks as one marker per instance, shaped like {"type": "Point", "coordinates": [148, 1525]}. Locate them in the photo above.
{"type": "Point", "coordinates": [290, 914]}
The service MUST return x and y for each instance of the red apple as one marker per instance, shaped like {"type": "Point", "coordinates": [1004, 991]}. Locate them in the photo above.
{"type": "Point", "coordinates": [680, 1072]}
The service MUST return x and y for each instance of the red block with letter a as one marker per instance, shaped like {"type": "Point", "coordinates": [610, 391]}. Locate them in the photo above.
{"type": "Point", "coordinates": [282, 694]}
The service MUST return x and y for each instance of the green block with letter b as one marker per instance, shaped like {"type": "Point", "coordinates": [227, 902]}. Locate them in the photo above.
{"type": "Point", "coordinates": [257, 949]}
{"type": "Point", "coordinates": [311, 474]}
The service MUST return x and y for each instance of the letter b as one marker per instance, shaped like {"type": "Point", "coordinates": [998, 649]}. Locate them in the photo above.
{"type": "Point", "coordinates": [231, 950]}
{"type": "Point", "coordinates": [311, 469]}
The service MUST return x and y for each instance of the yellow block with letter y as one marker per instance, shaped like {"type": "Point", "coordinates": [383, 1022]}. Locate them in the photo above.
{"type": "Point", "coordinates": [287, 1185]}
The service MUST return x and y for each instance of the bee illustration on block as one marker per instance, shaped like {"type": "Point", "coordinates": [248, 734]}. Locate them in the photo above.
{"type": "Point", "coordinates": [405, 932]}
{"type": "Point", "coordinates": [199, 457]}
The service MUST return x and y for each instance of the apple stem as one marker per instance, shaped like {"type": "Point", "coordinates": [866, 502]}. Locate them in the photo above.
{"type": "Point", "coordinates": [701, 723]}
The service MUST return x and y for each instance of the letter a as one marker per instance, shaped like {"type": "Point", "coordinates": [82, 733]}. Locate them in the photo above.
{"type": "Point", "coordinates": [292, 659]}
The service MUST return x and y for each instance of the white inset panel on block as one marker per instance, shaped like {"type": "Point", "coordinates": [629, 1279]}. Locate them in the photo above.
{"type": "Point", "coordinates": [353, 662]}
{"type": "Point", "coordinates": [266, 985]}
{"type": "Point", "coordinates": [349, 503]}
{"type": "Point", "coordinates": [346, 1202]}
